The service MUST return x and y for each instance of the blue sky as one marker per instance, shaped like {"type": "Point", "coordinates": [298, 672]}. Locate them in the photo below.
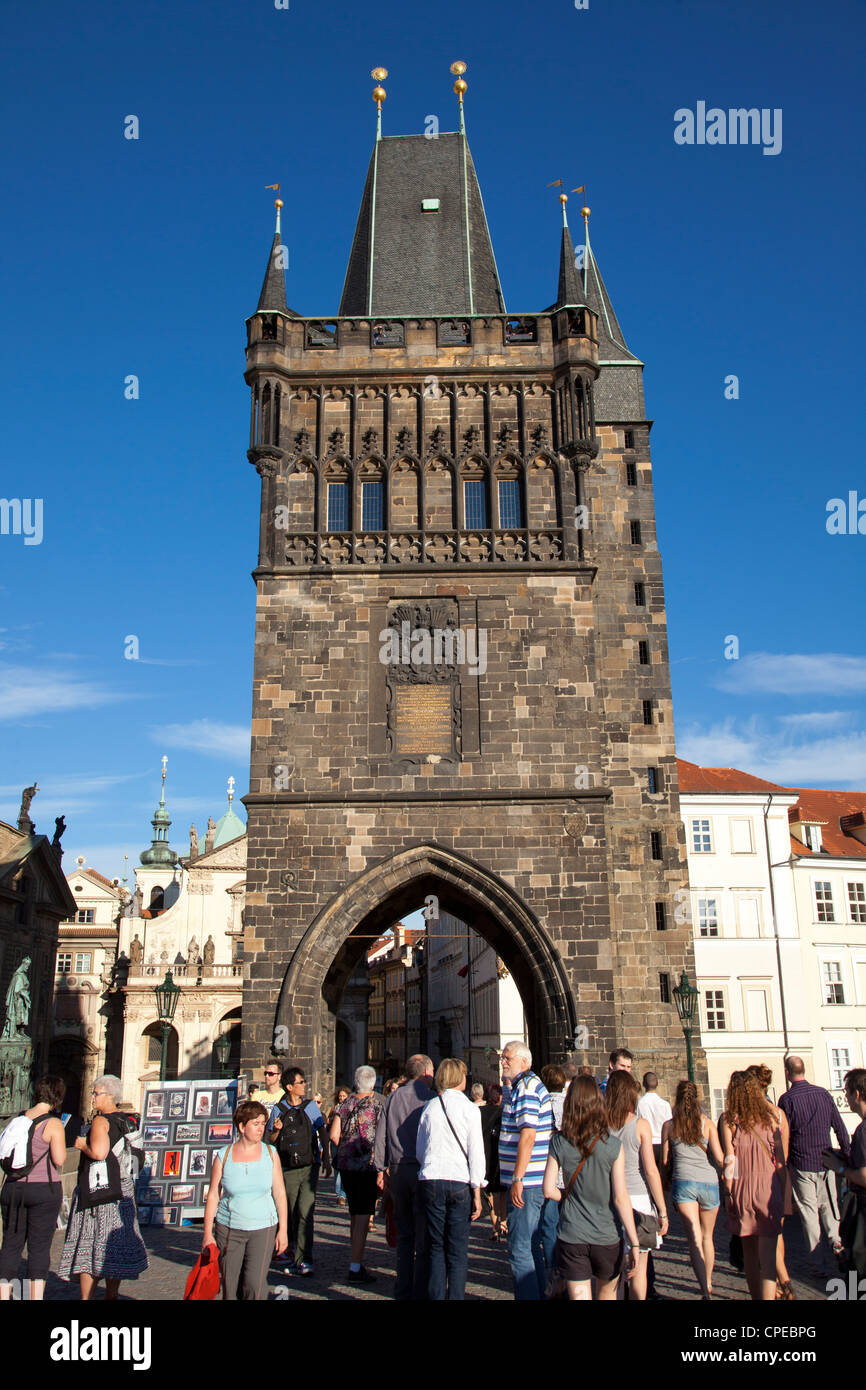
{"type": "Point", "coordinates": [144, 257]}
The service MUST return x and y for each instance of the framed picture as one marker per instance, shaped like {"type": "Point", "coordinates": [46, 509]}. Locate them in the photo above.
{"type": "Point", "coordinates": [198, 1164]}
{"type": "Point", "coordinates": [150, 1196]}
{"type": "Point", "coordinates": [150, 1164]}
{"type": "Point", "coordinates": [156, 1134]}
{"type": "Point", "coordinates": [144, 1215]}
{"type": "Point", "coordinates": [203, 1104]}
{"type": "Point", "coordinates": [171, 1163]}
{"type": "Point", "coordinates": [177, 1103]}
{"type": "Point", "coordinates": [219, 1134]}
{"type": "Point", "coordinates": [182, 1192]}
{"type": "Point", "coordinates": [165, 1216]}
{"type": "Point", "coordinates": [155, 1106]}
{"type": "Point", "coordinates": [187, 1134]}
{"type": "Point", "coordinates": [224, 1103]}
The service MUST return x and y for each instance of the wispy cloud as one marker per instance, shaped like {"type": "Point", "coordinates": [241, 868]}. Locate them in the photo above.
{"type": "Point", "coordinates": [779, 752]}
{"type": "Point", "coordinates": [206, 736]}
{"type": "Point", "coordinates": [27, 691]}
{"type": "Point", "coordinates": [779, 673]}
{"type": "Point", "coordinates": [818, 719]}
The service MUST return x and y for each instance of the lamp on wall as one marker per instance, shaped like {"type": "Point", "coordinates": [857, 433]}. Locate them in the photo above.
{"type": "Point", "coordinates": [686, 998]}
{"type": "Point", "coordinates": [167, 995]}
{"type": "Point", "coordinates": [222, 1047]}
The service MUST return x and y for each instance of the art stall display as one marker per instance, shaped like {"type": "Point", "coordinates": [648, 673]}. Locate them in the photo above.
{"type": "Point", "coordinates": [184, 1124]}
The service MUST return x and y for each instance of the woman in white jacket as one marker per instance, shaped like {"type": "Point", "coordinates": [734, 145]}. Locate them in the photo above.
{"type": "Point", "coordinates": [450, 1151]}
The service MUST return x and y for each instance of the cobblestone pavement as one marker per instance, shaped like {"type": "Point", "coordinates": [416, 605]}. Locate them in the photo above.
{"type": "Point", "coordinates": [173, 1252]}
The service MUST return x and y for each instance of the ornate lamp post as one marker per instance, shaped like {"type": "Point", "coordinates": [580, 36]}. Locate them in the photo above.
{"type": "Point", "coordinates": [222, 1047]}
{"type": "Point", "coordinates": [167, 995]}
{"type": "Point", "coordinates": [686, 998]}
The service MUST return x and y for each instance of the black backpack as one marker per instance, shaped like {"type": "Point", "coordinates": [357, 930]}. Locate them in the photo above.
{"type": "Point", "coordinates": [296, 1144]}
{"type": "Point", "coordinates": [13, 1133]}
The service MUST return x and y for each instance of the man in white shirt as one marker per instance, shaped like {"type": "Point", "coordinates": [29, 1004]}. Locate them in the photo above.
{"type": "Point", "coordinates": [652, 1107]}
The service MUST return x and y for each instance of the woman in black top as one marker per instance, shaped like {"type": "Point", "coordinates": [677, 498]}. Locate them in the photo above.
{"type": "Point", "coordinates": [495, 1194]}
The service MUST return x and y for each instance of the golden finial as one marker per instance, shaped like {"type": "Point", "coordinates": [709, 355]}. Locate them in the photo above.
{"type": "Point", "coordinates": [379, 94]}
{"type": "Point", "coordinates": [460, 87]}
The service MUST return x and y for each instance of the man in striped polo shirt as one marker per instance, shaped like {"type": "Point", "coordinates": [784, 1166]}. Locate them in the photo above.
{"type": "Point", "coordinates": [527, 1128]}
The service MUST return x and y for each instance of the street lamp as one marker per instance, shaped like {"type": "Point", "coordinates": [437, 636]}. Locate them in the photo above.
{"type": "Point", "coordinates": [222, 1047]}
{"type": "Point", "coordinates": [167, 995]}
{"type": "Point", "coordinates": [686, 998]}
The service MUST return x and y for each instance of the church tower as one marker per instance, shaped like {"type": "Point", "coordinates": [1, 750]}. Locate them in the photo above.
{"type": "Point", "coordinates": [461, 695]}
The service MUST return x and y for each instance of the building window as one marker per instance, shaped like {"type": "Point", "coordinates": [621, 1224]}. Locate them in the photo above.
{"type": "Point", "coordinates": [643, 653]}
{"type": "Point", "coordinates": [714, 1003]}
{"type": "Point", "coordinates": [634, 532]}
{"type": "Point", "coordinates": [834, 992]}
{"type": "Point", "coordinates": [840, 1063]}
{"type": "Point", "coordinates": [84, 915]}
{"type": "Point", "coordinates": [64, 962]}
{"type": "Point", "coordinates": [708, 917]}
{"type": "Point", "coordinates": [628, 437]}
{"type": "Point", "coordinates": [640, 594]}
{"type": "Point", "coordinates": [631, 474]}
{"type": "Point", "coordinates": [661, 917]}
{"type": "Point", "coordinates": [653, 780]}
{"type": "Point", "coordinates": [647, 707]}
{"type": "Point", "coordinates": [857, 901]}
{"type": "Point", "coordinates": [372, 509]}
{"type": "Point", "coordinates": [656, 844]}
{"type": "Point", "coordinates": [702, 840]}
{"type": "Point", "coordinates": [718, 1102]}
{"type": "Point", "coordinates": [824, 901]}
{"type": "Point", "coordinates": [664, 988]}
{"type": "Point", "coordinates": [509, 504]}
{"type": "Point", "coordinates": [338, 506]}
{"type": "Point", "coordinates": [812, 837]}
{"type": "Point", "coordinates": [475, 504]}
{"type": "Point", "coordinates": [82, 962]}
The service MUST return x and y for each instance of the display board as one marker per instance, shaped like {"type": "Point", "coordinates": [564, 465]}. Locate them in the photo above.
{"type": "Point", "coordinates": [183, 1125]}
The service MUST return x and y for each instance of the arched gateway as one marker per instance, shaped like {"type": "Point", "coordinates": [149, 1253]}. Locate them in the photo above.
{"type": "Point", "coordinates": [336, 940]}
{"type": "Point", "coordinates": [461, 685]}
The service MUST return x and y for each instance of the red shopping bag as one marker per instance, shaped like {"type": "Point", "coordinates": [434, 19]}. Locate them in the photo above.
{"type": "Point", "coordinates": [204, 1278]}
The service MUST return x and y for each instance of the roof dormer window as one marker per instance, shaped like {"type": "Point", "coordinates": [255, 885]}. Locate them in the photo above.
{"type": "Point", "coordinates": [812, 838]}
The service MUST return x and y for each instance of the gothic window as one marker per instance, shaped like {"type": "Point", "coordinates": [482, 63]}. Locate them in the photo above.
{"type": "Point", "coordinates": [372, 504]}
{"type": "Point", "coordinates": [643, 653]}
{"type": "Point", "coordinates": [275, 425]}
{"type": "Point", "coordinates": [510, 511]}
{"type": "Point", "coordinates": [635, 533]}
{"type": "Point", "coordinates": [521, 331]}
{"type": "Point", "coordinates": [475, 504]}
{"type": "Point", "coordinates": [265, 436]}
{"type": "Point", "coordinates": [631, 474]}
{"type": "Point", "coordinates": [338, 507]}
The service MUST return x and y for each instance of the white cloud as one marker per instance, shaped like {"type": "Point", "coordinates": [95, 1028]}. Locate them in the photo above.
{"type": "Point", "coordinates": [26, 691]}
{"type": "Point", "coordinates": [777, 673]}
{"type": "Point", "coordinates": [206, 736]}
{"type": "Point", "coordinates": [817, 719]}
{"type": "Point", "coordinates": [779, 753]}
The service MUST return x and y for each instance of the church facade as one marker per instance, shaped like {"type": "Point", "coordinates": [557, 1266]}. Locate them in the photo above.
{"type": "Point", "coordinates": [461, 692]}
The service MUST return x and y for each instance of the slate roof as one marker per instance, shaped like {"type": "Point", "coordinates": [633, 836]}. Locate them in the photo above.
{"type": "Point", "coordinates": [570, 290]}
{"type": "Point", "coordinates": [405, 261]}
{"type": "Point", "coordinates": [273, 295]}
{"type": "Point", "coordinates": [611, 340]}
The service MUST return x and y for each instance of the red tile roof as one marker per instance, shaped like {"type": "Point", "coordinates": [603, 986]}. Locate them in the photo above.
{"type": "Point", "coordinates": [721, 779]}
{"type": "Point", "coordinates": [826, 808]}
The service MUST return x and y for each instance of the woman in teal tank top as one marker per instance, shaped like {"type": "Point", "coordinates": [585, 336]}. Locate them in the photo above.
{"type": "Point", "coordinates": [245, 1214]}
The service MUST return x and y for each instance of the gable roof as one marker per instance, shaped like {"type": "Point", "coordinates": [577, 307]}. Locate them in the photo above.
{"type": "Point", "coordinates": [405, 261]}
{"type": "Point", "coordinates": [693, 778]}
{"type": "Point", "coordinates": [827, 809]}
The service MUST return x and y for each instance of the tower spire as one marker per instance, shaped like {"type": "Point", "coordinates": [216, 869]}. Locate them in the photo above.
{"type": "Point", "coordinates": [273, 295]}
{"type": "Point", "coordinates": [570, 290]}
{"type": "Point", "coordinates": [460, 87]}
{"type": "Point", "coordinates": [379, 95]}
{"type": "Point", "coordinates": [160, 851]}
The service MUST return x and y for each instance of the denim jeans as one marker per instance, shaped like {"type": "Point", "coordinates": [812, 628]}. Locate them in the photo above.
{"type": "Point", "coordinates": [549, 1222]}
{"type": "Point", "coordinates": [412, 1262]}
{"type": "Point", "coordinates": [447, 1207]}
{"type": "Point", "coordinates": [525, 1248]}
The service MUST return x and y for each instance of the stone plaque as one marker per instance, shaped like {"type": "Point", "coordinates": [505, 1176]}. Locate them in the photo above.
{"type": "Point", "coordinates": [423, 720]}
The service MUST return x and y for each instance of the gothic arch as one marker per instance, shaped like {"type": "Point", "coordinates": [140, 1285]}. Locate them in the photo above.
{"type": "Point", "coordinates": [336, 939]}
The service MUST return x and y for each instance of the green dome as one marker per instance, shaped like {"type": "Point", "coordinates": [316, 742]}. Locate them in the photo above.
{"type": "Point", "coordinates": [229, 827]}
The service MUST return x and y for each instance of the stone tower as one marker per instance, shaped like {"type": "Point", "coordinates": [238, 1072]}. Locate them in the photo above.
{"type": "Point", "coordinates": [461, 690]}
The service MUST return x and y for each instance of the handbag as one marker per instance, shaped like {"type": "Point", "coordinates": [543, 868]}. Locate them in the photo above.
{"type": "Point", "coordinates": [852, 1233]}
{"type": "Point", "coordinates": [203, 1282]}
{"type": "Point", "coordinates": [648, 1228]}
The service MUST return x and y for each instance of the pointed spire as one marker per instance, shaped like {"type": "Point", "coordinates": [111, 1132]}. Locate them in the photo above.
{"type": "Point", "coordinates": [611, 341]}
{"type": "Point", "coordinates": [273, 295]}
{"type": "Point", "coordinates": [160, 851]}
{"type": "Point", "coordinates": [460, 88]}
{"type": "Point", "coordinates": [379, 95]}
{"type": "Point", "coordinates": [570, 289]}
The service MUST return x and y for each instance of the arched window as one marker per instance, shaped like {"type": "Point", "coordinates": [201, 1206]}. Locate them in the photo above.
{"type": "Point", "coordinates": [151, 1042]}
{"type": "Point", "coordinates": [157, 901]}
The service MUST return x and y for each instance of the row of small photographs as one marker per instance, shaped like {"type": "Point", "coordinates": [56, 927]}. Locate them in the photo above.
{"type": "Point", "coordinates": [159, 1216]}
{"type": "Point", "coordinates": [168, 1163]}
{"type": "Point", "coordinates": [217, 1133]}
{"type": "Point", "coordinates": [174, 1105]}
{"type": "Point", "coordinates": [178, 1193]}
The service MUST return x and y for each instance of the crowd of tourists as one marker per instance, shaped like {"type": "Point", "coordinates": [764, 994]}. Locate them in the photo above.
{"type": "Point", "coordinates": [579, 1176]}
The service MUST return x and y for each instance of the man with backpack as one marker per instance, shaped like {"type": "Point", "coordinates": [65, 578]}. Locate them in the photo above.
{"type": "Point", "coordinates": [297, 1129]}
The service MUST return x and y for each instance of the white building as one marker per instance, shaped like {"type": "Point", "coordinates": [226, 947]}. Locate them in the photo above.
{"type": "Point", "coordinates": [473, 1005]}
{"type": "Point", "coordinates": [778, 904]}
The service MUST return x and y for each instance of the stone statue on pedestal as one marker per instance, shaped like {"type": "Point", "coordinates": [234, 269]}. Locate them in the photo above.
{"type": "Point", "coordinates": [209, 835]}
{"type": "Point", "coordinates": [193, 842]}
{"type": "Point", "coordinates": [25, 824]}
{"type": "Point", "coordinates": [136, 950]}
{"type": "Point", "coordinates": [209, 951]}
{"type": "Point", "coordinates": [18, 1002]}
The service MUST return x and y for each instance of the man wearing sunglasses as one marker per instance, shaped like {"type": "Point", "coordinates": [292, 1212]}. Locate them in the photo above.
{"type": "Point", "coordinates": [272, 1092]}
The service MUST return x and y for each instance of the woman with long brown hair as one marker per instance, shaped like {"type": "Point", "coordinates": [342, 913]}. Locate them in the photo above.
{"type": "Point", "coordinates": [643, 1182]}
{"type": "Point", "coordinates": [754, 1161]}
{"type": "Point", "coordinates": [593, 1168]}
{"type": "Point", "coordinates": [689, 1142]}
{"type": "Point", "coordinates": [763, 1076]}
